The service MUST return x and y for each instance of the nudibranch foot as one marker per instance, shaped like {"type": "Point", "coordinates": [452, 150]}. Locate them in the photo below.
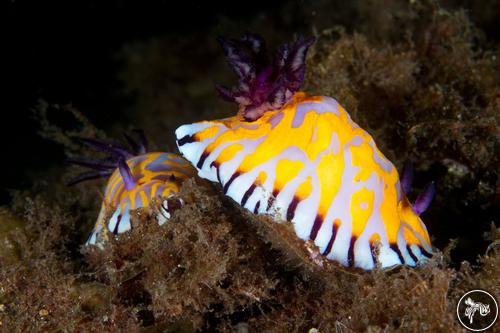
{"type": "Point", "coordinates": [137, 179]}
{"type": "Point", "coordinates": [303, 159]}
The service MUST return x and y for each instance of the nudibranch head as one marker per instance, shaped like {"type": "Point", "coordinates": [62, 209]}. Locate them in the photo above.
{"type": "Point", "coordinates": [137, 178]}
{"type": "Point", "coordinates": [309, 163]}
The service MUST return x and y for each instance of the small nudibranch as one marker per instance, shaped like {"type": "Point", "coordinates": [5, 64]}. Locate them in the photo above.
{"type": "Point", "coordinates": [301, 158]}
{"type": "Point", "coordinates": [136, 179]}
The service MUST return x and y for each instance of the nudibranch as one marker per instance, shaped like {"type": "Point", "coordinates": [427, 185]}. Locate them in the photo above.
{"type": "Point", "coordinates": [136, 179]}
{"type": "Point", "coordinates": [301, 158]}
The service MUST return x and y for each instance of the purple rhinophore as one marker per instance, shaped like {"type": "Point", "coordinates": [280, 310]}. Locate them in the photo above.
{"type": "Point", "coordinates": [126, 174]}
{"type": "Point", "coordinates": [407, 176]}
{"type": "Point", "coordinates": [263, 84]}
{"type": "Point", "coordinates": [424, 198]}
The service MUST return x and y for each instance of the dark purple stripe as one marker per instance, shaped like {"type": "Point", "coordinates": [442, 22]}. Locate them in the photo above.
{"type": "Point", "coordinates": [118, 220]}
{"type": "Point", "coordinates": [412, 255]}
{"type": "Point", "coordinates": [424, 252]}
{"type": "Point", "coordinates": [290, 212]}
{"type": "Point", "coordinates": [318, 221]}
{"type": "Point", "coordinates": [372, 250]}
{"type": "Point", "coordinates": [271, 199]}
{"type": "Point", "coordinates": [216, 166]}
{"type": "Point", "coordinates": [247, 195]}
{"type": "Point", "coordinates": [165, 207]}
{"type": "Point", "coordinates": [233, 177]}
{"type": "Point", "coordinates": [332, 240]}
{"type": "Point", "coordinates": [186, 139]}
{"type": "Point", "coordinates": [256, 209]}
{"type": "Point", "coordinates": [203, 157]}
{"type": "Point", "coordinates": [396, 249]}
{"type": "Point", "coordinates": [350, 253]}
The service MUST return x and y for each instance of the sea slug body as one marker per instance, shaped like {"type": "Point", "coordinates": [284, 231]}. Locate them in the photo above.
{"type": "Point", "coordinates": [136, 179]}
{"type": "Point", "coordinates": [302, 159]}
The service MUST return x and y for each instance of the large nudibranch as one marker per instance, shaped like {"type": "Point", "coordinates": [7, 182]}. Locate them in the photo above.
{"type": "Point", "coordinates": [301, 158]}
{"type": "Point", "coordinates": [137, 178]}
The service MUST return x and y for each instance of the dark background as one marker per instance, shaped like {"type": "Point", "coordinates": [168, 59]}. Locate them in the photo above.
{"type": "Point", "coordinates": [64, 52]}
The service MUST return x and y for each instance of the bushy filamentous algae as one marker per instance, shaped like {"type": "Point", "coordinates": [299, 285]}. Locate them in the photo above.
{"type": "Point", "coordinates": [423, 80]}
